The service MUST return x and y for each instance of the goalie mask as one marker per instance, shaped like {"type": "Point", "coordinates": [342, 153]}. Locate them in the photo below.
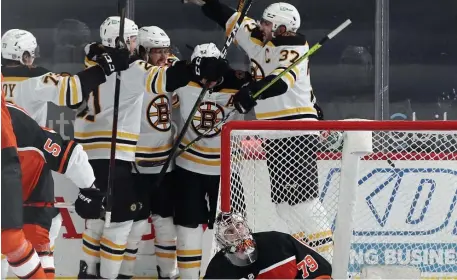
{"type": "Point", "coordinates": [234, 237]}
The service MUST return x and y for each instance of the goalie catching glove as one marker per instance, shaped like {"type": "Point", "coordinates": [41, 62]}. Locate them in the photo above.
{"type": "Point", "coordinates": [89, 204]}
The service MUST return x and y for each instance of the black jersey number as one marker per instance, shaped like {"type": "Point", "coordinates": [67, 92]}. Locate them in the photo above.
{"type": "Point", "coordinates": [291, 56]}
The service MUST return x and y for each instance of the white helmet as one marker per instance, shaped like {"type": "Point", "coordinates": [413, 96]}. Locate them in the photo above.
{"type": "Point", "coordinates": [206, 50]}
{"type": "Point", "coordinates": [109, 31]}
{"type": "Point", "coordinates": [153, 37]}
{"type": "Point", "coordinates": [283, 14]}
{"type": "Point", "coordinates": [16, 42]}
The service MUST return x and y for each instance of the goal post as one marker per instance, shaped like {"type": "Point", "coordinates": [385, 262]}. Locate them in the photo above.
{"type": "Point", "coordinates": [367, 195]}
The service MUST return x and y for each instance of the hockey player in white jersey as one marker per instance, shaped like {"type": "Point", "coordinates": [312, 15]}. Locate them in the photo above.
{"type": "Point", "coordinates": [153, 148]}
{"type": "Point", "coordinates": [272, 45]}
{"type": "Point", "coordinates": [32, 87]}
{"type": "Point", "coordinates": [198, 168]}
{"type": "Point", "coordinates": [107, 246]}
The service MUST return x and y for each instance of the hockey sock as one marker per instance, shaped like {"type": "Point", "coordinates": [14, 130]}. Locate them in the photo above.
{"type": "Point", "coordinates": [39, 237]}
{"type": "Point", "coordinates": [112, 248]}
{"type": "Point", "coordinates": [309, 222]}
{"type": "Point", "coordinates": [165, 245]}
{"type": "Point", "coordinates": [5, 267]}
{"type": "Point", "coordinates": [189, 251]}
{"type": "Point", "coordinates": [21, 256]}
{"type": "Point", "coordinates": [139, 228]}
{"type": "Point", "coordinates": [91, 245]}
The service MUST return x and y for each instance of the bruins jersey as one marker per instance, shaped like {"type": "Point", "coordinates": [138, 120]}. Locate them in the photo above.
{"type": "Point", "coordinates": [271, 59]}
{"type": "Point", "coordinates": [32, 87]}
{"type": "Point", "coordinates": [93, 126]}
{"type": "Point", "coordinates": [204, 156]}
{"type": "Point", "coordinates": [156, 132]}
{"type": "Point", "coordinates": [280, 256]}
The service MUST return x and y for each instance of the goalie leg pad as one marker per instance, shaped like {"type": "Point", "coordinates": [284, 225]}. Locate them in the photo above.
{"type": "Point", "coordinates": [112, 248]}
{"type": "Point", "coordinates": [189, 251]}
{"type": "Point", "coordinates": [139, 228]}
{"type": "Point", "coordinates": [165, 245]}
{"type": "Point", "coordinates": [91, 245]}
{"type": "Point", "coordinates": [309, 221]}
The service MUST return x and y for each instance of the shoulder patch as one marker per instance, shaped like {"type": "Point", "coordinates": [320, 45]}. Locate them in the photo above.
{"type": "Point", "coordinates": [297, 40]}
{"type": "Point", "coordinates": [23, 71]}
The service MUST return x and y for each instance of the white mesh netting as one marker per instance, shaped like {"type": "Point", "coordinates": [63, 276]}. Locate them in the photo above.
{"type": "Point", "coordinates": [405, 198]}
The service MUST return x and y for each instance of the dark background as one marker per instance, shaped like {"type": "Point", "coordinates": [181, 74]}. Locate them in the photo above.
{"type": "Point", "coordinates": [423, 47]}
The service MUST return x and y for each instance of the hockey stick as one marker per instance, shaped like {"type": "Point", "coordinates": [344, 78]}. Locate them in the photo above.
{"type": "Point", "coordinates": [244, 6]}
{"type": "Point", "coordinates": [310, 52]}
{"type": "Point", "coordinates": [112, 160]}
{"type": "Point", "coordinates": [64, 205]}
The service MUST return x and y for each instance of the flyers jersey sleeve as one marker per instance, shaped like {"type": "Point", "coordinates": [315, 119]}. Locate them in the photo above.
{"type": "Point", "coordinates": [280, 256]}
{"type": "Point", "coordinates": [40, 150]}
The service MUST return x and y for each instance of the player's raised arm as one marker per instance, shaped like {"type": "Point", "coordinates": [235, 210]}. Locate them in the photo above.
{"type": "Point", "coordinates": [18, 54]}
{"type": "Point", "coordinates": [161, 78]}
{"type": "Point", "coordinates": [247, 37]}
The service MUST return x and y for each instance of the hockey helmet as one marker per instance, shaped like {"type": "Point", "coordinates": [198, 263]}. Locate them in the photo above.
{"type": "Point", "coordinates": [151, 37]}
{"type": "Point", "coordinates": [282, 14]}
{"type": "Point", "coordinates": [206, 50]}
{"type": "Point", "coordinates": [17, 42]}
{"type": "Point", "coordinates": [235, 239]}
{"type": "Point", "coordinates": [109, 31]}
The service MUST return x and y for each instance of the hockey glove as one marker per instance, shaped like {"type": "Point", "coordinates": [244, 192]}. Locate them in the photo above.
{"type": "Point", "coordinates": [89, 204]}
{"type": "Point", "coordinates": [116, 60]}
{"type": "Point", "coordinates": [243, 100]}
{"type": "Point", "coordinates": [210, 68]}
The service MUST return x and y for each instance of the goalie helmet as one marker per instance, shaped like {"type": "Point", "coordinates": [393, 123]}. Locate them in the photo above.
{"type": "Point", "coordinates": [205, 50]}
{"type": "Point", "coordinates": [109, 31]}
{"type": "Point", "coordinates": [235, 239]}
{"type": "Point", "coordinates": [282, 14]}
{"type": "Point", "coordinates": [17, 42]}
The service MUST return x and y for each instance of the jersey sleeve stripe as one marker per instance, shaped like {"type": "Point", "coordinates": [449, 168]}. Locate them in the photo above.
{"type": "Point", "coordinates": [74, 91]}
{"type": "Point", "coordinates": [63, 90]}
{"type": "Point", "coordinates": [265, 270]}
{"type": "Point", "coordinates": [89, 63]}
{"type": "Point", "coordinates": [64, 161]}
{"type": "Point", "coordinates": [160, 82]}
{"type": "Point", "coordinates": [152, 77]}
{"type": "Point", "coordinates": [231, 23]}
{"type": "Point", "coordinates": [287, 112]}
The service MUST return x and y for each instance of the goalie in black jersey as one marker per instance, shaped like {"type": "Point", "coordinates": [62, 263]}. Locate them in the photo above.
{"type": "Point", "coordinates": [262, 255]}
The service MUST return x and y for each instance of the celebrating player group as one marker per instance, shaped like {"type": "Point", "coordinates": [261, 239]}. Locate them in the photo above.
{"type": "Point", "coordinates": [158, 93]}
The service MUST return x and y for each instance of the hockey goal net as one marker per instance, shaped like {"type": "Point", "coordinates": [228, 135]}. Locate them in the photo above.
{"type": "Point", "coordinates": [363, 193]}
